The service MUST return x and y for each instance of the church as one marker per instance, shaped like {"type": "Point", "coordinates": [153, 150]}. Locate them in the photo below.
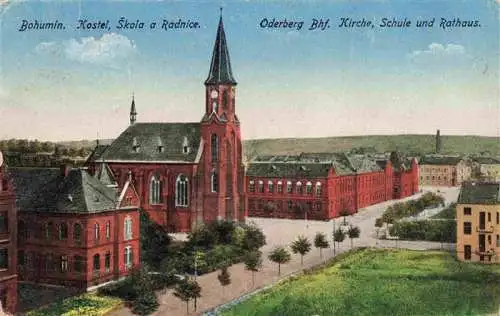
{"type": "Point", "coordinates": [185, 173]}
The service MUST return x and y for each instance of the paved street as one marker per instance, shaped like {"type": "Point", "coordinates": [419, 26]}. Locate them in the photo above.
{"type": "Point", "coordinates": [282, 232]}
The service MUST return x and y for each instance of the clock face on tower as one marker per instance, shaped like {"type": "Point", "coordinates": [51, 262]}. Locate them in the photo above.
{"type": "Point", "coordinates": [214, 94]}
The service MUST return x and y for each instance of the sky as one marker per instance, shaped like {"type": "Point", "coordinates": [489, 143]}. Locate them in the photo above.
{"type": "Point", "coordinates": [76, 84]}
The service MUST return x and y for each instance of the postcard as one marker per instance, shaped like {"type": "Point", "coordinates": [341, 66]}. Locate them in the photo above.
{"type": "Point", "coordinates": [186, 157]}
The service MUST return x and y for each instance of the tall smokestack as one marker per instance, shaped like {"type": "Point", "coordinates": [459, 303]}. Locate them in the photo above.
{"type": "Point", "coordinates": [438, 142]}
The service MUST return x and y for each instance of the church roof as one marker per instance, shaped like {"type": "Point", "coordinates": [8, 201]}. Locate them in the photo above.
{"type": "Point", "coordinates": [156, 142]}
{"type": "Point", "coordinates": [48, 190]}
{"type": "Point", "coordinates": [97, 153]}
{"type": "Point", "coordinates": [220, 67]}
{"type": "Point", "coordinates": [105, 175]}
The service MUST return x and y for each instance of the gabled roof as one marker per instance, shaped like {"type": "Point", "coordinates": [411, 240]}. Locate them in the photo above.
{"type": "Point", "coordinates": [105, 175]}
{"type": "Point", "coordinates": [47, 190]}
{"type": "Point", "coordinates": [440, 160]}
{"type": "Point", "coordinates": [97, 153]}
{"type": "Point", "coordinates": [479, 193]}
{"type": "Point", "coordinates": [220, 67]}
{"type": "Point", "coordinates": [147, 137]}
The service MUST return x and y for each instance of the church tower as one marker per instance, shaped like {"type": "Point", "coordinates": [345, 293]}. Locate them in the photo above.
{"type": "Point", "coordinates": [133, 112]}
{"type": "Point", "coordinates": [221, 172]}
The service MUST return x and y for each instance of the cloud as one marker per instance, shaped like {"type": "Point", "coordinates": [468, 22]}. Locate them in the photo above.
{"type": "Point", "coordinates": [109, 50]}
{"type": "Point", "coordinates": [439, 50]}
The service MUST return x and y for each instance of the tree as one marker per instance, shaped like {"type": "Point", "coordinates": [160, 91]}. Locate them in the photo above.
{"type": "Point", "coordinates": [339, 236]}
{"type": "Point", "coordinates": [144, 301]}
{"type": "Point", "coordinates": [155, 241]}
{"type": "Point", "coordinates": [221, 256]}
{"type": "Point", "coordinates": [345, 213]}
{"type": "Point", "coordinates": [302, 246]}
{"type": "Point", "coordinates": [353, 232]}
{"type": "Point", "coordinates": [253, 262]}
{"type": "Point", "coordinates": [186, 290]}
{"type": "Point", "coordinates": [224, 278]}
{"type": "Point", "coordinates": [320, 242]}
{"type": "Point", "coordinates": [254, 238]}
{"type": "Point", "coordinates": [280, 256]}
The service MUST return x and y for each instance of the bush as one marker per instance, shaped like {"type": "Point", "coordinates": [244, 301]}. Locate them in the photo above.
{"type": "Point", "coordinates": [155, 241]}
{"type": "Point", "coordinates": [411, 208]}
{"type": "Point", "coordinates": [428, 230]}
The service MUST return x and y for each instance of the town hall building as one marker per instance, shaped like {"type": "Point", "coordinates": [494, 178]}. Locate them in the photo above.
{"type": "Point", "coordinates": [186, 173]}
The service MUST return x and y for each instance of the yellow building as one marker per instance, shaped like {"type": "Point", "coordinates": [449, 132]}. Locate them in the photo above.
{"type": "Point", "coordinates": [486, 168]}
{"type": "Point", "coordinates": [478, 222]}
{"type": "Point", "coordinates": [438, 170]}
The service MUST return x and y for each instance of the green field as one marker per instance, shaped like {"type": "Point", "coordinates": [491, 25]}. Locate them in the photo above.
{"type": "Point", "coordinates": [416, 144]}
{"type": "Point", "coordinates": [384, 282]}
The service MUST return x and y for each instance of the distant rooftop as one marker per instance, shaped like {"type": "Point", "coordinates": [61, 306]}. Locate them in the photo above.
{"type": "Point", "coordinates": [479, 193]}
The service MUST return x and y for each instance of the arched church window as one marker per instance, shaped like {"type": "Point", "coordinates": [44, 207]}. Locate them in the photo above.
{"type": "Point", "coordinates": [299, 187]}
{"type": "Point", "coordinates": [289, 187]}
{"type": "Point", "coordinates": [318, 188]}
{"type": "Point", "coordinates": [225, 99]}
{"type": "Point", "coordinates": [214, 181]}
{"type": "Point", "coordinates": [280, 187]}
{"type": "Point", "coordinates": [215, 107]}
{"type": "Point", "coordinates": [214, 147]}
{"type": "Point", "coordinates": [155, 190]}
{"type": "Point", "coordinates": [309, 187]}
{"type": "Point", "coordinates": [181, 191]}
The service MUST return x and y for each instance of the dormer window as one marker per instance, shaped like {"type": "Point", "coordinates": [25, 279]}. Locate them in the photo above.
{"type": "Point", "coordinates": [160, 145]}
{"type": "Point", "coordinates": [135, 145]}
{"type": "Point", "coordinates": [185, 146]}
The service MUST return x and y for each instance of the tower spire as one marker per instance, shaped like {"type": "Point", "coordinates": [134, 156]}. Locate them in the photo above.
{"type": "Point", "coordinates": [220, 67]}
{"type": "Point", "coordinates": [133, 112]}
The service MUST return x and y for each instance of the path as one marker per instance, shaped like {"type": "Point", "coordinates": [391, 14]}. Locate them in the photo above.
{"type": "Point", "coordinates": [282, 232]}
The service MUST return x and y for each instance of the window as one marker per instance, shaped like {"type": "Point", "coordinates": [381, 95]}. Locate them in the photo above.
{"type": "Point", "coordinates": [318, 188]}
{"type": "Point", "coordinates": [128, 257]}
{"type": "Point", "coordinates": [309, 188]}
{"type": "Point", "coordinates": [498, 240]}
{"type": "Point", "coordinates": [108, 230]}
{"type": "Point", "coordinates": [498, 218]}
{"type": "Point", "coordinates": [290, 205]}
{"type": "Point", "coordinates": [107, 262]}
{"type": "Point", "coordinates": [251, 186]}
{"type": "Point", "coordinates": [270, 186]}
{"type": "Point", "coordinates": [260, 188]}
{"type": "Point", "coordinates": [63, 231]}
{"type": "Point", "coordinates": [155, 190]}
{"type": "Point", "coordinates": [128, 228]}
{"type": "Point", "coordinates": [289, 187]}
{"type": "Point", "coordinates": [318, 206]}
{"type": "Point", "coordinates": [214, 107]}
{"type": "Point", "coordinates": [48, 230]}
{"type": "Point", "coordinates": [181, 191]}
{"type": "Point", "coordinates": [280, 187]}
{"type": "Point", "coordinates": [96, 232]}
{"type": "Point", "coordinates": [4, 258]}
{"type": "Point", "coordinates": [467, 228]}
{"type": "Point", "coordinates": [4, 222]}
{"type": "Point", "coordinates": [467, 211]}
{"type": "Point", "coordinates": [78, 264]}
{"type": "Point", "coordinates": [97, 263]}
{"type": "Point", "coordinates": [214, 141]}
{"type": "Point", "coordinates": [489, 217]}
{"type": "Point", "coordinates": [185, 146]}
{"type": "Point", "coordinates": [214, 182]}
{"type": "Point", "coordinates": [467, 252]}
{"type": "Point", "coordinates": [49, 263]}
{"type": "Point", "coordinates": [77, 232]}
{"type": "Point", "coordinates": [298, 187]}
{"type": "Point", "coordinates": [64, 263]}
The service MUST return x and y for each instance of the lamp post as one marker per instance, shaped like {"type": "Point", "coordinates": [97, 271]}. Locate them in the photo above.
{"type": "Point", "coordinates": [333, 235]}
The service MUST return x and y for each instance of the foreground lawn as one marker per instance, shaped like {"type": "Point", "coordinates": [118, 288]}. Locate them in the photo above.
{"type": "Point", "coordinates": [88, 304]}
{"type": "Point", "coordinates": [384, 282]}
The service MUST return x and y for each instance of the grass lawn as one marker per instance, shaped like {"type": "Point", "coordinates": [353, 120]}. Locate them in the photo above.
{"type": "Point", "coordinates": [384, 282]}
{"type": "Point", "coordinates": [88, 304]}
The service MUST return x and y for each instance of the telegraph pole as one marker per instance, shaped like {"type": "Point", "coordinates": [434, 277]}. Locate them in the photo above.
{"type": "Point", "coordinates": [333, 235]}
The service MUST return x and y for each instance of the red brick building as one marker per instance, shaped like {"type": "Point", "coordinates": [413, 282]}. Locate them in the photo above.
{"type": "Point", "coordinates": [319, 186]}
{"type": "Point", "coordinates": [186, 173]}
{"type": "Point", "coordinates": [75, 229]}
{"type": "Point", "coordinates": [8, 244]}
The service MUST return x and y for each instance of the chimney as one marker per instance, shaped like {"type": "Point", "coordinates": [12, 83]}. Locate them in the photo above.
{"type": "Point", "coordinates": [65, 169]}
{"type": "Point", "coordinates": [438, 142]}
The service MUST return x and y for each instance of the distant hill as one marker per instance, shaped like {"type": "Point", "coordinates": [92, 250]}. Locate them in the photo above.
{"type": "Point", "coordinates": [90, 144]}
{"type": "Point", "coordinates": [415, 144]}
